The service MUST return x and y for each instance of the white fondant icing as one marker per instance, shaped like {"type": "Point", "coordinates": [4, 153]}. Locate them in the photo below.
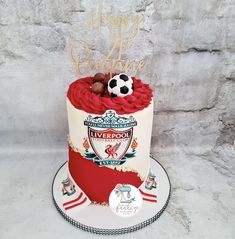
{"type": "Point", "coordinates": [142, 132]}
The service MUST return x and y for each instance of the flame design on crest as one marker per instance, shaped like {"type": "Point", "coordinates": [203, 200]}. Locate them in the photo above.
{"type": "Point", "coordinates": [134, 144]}
{"type": "Point", "coordinates": [86, 144]}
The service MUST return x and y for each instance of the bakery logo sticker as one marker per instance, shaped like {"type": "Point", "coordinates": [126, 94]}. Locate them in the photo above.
{"type": "Point", "coordinates": [125, 200]}
{"type": "Point", "coordinates": [110, 139]}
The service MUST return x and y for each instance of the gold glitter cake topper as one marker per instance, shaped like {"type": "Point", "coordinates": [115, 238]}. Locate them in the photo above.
{"type": "Point", "coordinates": [123, 29]}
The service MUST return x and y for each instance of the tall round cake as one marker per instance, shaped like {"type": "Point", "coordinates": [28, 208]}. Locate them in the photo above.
{"type": "Point", "coordinates": [109, 137]}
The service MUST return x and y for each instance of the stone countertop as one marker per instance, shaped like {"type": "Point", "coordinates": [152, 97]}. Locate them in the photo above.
{"type": "Point", "coordinates": [201, 204]}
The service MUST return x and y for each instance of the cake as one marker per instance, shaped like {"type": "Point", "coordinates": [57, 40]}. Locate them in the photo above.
{"type": "Point", "coordinates": [109, 137]}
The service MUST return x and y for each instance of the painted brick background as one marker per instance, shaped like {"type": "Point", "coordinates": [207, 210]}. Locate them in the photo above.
{"type": "Point", "coordinates": [188, 47]}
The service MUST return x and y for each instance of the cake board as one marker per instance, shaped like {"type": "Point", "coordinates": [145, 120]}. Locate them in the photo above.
{"type": "Point", "coordinates": [100, 219]}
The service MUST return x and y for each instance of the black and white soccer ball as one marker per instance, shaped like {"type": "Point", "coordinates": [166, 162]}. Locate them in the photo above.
{"type": "Point", "coordinates": [120, 85]}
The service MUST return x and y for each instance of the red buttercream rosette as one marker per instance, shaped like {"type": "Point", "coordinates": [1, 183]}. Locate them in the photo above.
{"type": "Point", "coordinates": [81, 97]}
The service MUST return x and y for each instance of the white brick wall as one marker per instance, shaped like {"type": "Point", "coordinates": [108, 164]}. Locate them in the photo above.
{"type": "Point", "coordinates": [188, 46]}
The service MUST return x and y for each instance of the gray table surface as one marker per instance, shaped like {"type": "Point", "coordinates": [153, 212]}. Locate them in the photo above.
{"type": "Point", "coordinates": [201, 206]}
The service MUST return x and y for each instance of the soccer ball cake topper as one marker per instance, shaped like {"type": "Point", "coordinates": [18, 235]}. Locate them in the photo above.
{"type": "Point", "coordinates": [120, 85]}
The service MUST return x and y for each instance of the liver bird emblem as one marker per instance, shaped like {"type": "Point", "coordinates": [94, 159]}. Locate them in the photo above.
{"type": "Point", "coordinates": [111, 150]}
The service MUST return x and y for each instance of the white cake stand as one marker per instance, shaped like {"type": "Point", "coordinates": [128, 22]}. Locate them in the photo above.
{"type": "Point", "coordinates": [101, 220]}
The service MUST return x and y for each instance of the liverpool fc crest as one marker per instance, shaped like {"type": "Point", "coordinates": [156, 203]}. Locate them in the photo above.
{"type": "Point", "coordinates": [110, 138]}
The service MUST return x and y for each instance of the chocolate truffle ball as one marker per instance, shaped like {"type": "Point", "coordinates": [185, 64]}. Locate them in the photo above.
{"type": "Point", "coordinates": [98, 77]}
{"type": "Point", "coordinates": [98, 88]}
{"type": "Point", "coordinates": [106, 80]}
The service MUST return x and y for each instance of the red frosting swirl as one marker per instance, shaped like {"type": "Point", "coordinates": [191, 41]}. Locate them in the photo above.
{"type": "Point", "coordinates": [81, 97]}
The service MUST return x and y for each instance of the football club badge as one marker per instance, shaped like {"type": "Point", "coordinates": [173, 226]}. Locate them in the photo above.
{"type": "Point", "coordinates": [73, 199]}
{"type": "Point", "coordinates": [150, 182]}
{"type": "Point", "coordinates": [110, 139]}
{"type": "Point", "coordinates": [68, 187]}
